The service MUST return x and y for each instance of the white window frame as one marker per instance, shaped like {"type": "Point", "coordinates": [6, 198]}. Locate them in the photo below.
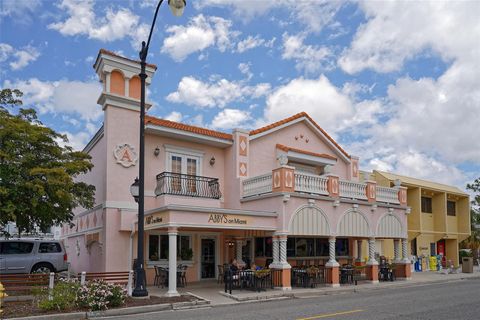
{"type": "Point", "coordinates": [184, 153]}
{"type": "Point", "coordinates": [165, 261]}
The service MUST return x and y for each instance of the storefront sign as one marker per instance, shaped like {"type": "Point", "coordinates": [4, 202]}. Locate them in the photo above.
{"type": "Point", "coordinates": [226, 219]}
{"type": "Point", "coordinates": [154, 219]}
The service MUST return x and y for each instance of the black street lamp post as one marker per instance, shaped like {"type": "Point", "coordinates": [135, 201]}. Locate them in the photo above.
{"type": "Point", "coordinates": [140, 290]}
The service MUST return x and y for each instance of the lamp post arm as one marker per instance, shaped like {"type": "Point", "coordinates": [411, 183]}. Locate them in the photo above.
{"type": "Point", "coordinates": [145, 47]}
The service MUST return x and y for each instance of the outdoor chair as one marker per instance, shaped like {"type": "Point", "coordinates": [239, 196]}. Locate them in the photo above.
{"type": "Point", "coordinates": [182, 275]}
{"type": "Point", "coordinates": [156, 280]}
{"type": "Point", "coordinates": [163, 277]}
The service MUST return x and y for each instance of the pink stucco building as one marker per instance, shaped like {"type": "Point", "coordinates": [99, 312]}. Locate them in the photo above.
{"type": "Point", "coordinates": [279, 195]}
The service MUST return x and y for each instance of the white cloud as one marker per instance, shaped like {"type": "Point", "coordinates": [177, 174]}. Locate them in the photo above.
{"type": "Point", "coordinates": [24, 57]}
{"type": "Point", "coordinates": [230, 118]}
{"type": "Point", "coordinates": [245, 69]}
{"type": "Point", "coordinates": [309, 58]}
{"type": "Point", "coordinates": [218, 93]}
{"type": "Point", "coordinates": [253, 42]}
{"type": "Point", "coordinates": [65, 97]}
{"type": "Point", "coordinates": [388, 38]}
{"type": "Point", "coordinates": [5, 51]}
{"type": "Point", "coordinates": [246, 9]}
{"type": "Point", "coordinates": [148, 3]}
{"type": "Point", "coordinates": [314, 14]}
{"type": "Point", "coordinates": [174, 116]}
{"type": "Point", "coordinates": [115, 25]}
{"type": "Point", "coordinates": [423, 127]}
{"type": "Point", "coordinates": [20, 11]}
{"type": "Point", "coordinates": [318, 97]}
{"type": "Point", "coordinates": [200, 33]}
{"type": "Point", "coordinates": [19, 58]}
{"type": "Point", "coordinates": [77, 140]}
{"type": "Point", "coordinates": [436, 117]}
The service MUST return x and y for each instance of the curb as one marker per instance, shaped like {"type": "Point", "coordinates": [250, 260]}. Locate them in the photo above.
{"type": "Point", "coordinates": [282, 295]}
{"type": "Point", "coordinates": [201, 303]}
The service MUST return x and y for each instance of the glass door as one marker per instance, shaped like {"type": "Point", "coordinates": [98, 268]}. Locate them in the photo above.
{"type": "Point", "coordinates": [184, 169]}
{"type": "Point", "coordinates": [207, 259]}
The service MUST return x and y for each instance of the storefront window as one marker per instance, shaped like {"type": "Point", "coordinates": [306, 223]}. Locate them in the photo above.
{"type": "Point", "coordinates": [259, 247]}
{"type": "Point", "coordinates": [341, 247]}
{"type": "Point", "coordinates": [305, 247]}
{"type": "Point", "coordinates": [302, 247]}
{"type": "Point", "coordinates": [291, 247]}
{"type": "Point", "coordinates": [268, 247]}
{"type": "Point", "coordinates": [263, 247]}
{"type": "Point", "coordinates": [153, 243]}
{"type": "Point", "coordinates": [163, 247]}
{"type": "Point", "coordinates": [321, 247]}
{"type": "Point", "coordinates": [158, 247]}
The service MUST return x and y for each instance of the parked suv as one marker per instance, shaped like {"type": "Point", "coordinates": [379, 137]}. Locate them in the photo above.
{"type": "Point", "coordinates": [32, 256]}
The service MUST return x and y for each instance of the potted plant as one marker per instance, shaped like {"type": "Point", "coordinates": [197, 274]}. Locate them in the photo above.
{"type": "Point", "coordinates": [186, 254]}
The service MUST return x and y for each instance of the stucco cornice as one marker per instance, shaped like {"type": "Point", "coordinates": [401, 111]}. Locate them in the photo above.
{"type": "Point", "coordinates": [195, 209]}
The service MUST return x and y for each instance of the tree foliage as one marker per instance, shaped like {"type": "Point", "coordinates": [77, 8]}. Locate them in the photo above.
{"type": "Point", "coordinates": [37, 174]}
{"type": "Point", "coordinates": [473, 242]}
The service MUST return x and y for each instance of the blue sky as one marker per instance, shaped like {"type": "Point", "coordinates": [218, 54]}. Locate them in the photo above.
{"type": "Point", "coordinates": [395, 83]}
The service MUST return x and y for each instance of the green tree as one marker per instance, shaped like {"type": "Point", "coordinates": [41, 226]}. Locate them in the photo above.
{"type": "Point", "coordinates": [37, 174]}
{"type": "Point", "coordinates": [473, 242]}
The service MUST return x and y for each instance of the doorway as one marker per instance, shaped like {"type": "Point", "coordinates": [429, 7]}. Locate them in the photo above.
{"type": "Point", "coordinates": [207, 258]}
{"type": "Point", "coordinates": [247, 253]}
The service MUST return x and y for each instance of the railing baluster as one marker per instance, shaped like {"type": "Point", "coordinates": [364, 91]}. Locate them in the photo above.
{"type": "Point", "coordinates": [187, 185]}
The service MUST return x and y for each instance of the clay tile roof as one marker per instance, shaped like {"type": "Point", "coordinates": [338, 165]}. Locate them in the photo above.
{"type": "Point", "coordinates": [322, 155]}
{"type": "Point", "coordinates": [292, 118]}
{"type": "Point", "coordinates": [278, 123]}
{"type": "Point", "coordinates": [188, 128]}
{"type": "Point", "coordinates": [113, 54]}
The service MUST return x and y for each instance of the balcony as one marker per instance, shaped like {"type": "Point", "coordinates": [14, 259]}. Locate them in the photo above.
{"type": "Point", "coordinates": [170, 183]}
{"type": "Point", "coordinates": [319, 185]}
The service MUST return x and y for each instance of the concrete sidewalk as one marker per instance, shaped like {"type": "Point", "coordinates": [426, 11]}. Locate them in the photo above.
{"type": "Point", "coordinates": [214, 292]}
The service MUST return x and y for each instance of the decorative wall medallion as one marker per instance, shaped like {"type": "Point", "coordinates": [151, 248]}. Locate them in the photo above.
{"type": "Point", "coordinates": [125, 155]}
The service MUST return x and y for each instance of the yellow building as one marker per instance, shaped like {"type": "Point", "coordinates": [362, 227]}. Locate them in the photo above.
{"type": "Point", "coordinates": [439, 218]}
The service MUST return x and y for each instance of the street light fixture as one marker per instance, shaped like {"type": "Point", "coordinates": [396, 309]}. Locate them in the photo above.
{"type": "Point", "coordinates": [177, 7]}
{"type": "Point", "coordinates": [134, 190]}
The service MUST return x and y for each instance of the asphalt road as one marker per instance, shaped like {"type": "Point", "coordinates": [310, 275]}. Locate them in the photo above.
{"type": "Point", "coordinates": [458, 300]}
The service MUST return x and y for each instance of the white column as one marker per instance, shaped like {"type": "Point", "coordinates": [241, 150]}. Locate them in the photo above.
{"type": "Point", "coordinates": [332, 262]}
{"type": "Point", "coordinates": [371, 252]}
{"type": "Point", "coordinates": [359, 250]}
{"type": "Point", "coordinates": [238, 251]}
{"type": "Point", "coordinates": [405, 251]}
{"type": "Point", "coordinates": [275, 252]}
{"type": "Point", "coordinates": [172, 263]}
{"type": "Point", "coordinates": [283, 252]}
{"type": "Point", "coordinates": [127, 87]}
{"type": "Point", "coordinates": [396, 250]}
{"type": "Point", "coordinates": [107, 82]}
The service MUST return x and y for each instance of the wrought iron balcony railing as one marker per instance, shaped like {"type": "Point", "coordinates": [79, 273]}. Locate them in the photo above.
{"type": "Point", "coordinates": [187, 185]}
